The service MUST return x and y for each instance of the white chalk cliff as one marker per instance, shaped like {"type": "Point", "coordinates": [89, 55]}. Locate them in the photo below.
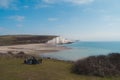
{"type": "Point", "coordinates": [59, 40]}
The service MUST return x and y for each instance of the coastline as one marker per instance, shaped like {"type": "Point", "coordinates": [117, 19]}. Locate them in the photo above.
{"type": "Point", "coordinates": [34, 49]}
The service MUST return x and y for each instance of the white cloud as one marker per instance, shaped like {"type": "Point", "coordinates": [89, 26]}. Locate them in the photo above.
{"type": "Point", "coordinates": [79, 1]}
{"type": "Point", "coordinates": [101, 35]}
{"type": "Point", "coordinates": [19, 25]}
{"type": "Point", "coordinates": [42, 6]}
{"type": "Point", "coordinates": [6, 3]}
{"type": "Point", "coordinates": [17, 18]}
{"type": "Point", "coordinates": [26, 6]}
{"type": "Point", "coordinates": [69, 1]}
{"type": "Point", "coordinates": [52, 19]}
{"type": "Point", "coordinates": [50, 1]}
{"type": "Point", "coordinates": [111, 20]}
{"type": "Point", "coordinates": [1, 28]}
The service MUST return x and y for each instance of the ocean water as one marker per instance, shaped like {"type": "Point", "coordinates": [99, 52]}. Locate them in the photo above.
{"type": "Point", "coordinates": [84, 49]}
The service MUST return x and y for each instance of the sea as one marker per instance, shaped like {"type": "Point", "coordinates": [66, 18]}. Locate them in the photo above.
{"type": "Point", "coordinates": [80, 50]}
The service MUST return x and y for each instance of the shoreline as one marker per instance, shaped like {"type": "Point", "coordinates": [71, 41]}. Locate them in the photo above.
{"type": "Point", "coordinates": [34, 49]}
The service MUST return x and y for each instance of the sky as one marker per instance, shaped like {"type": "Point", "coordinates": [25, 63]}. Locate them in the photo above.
{"type": "Point", "coordinates": [85, 20]}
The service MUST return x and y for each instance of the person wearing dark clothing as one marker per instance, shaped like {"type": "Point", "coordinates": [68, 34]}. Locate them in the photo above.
{"type": "Point", "coordinates": [32, 60]}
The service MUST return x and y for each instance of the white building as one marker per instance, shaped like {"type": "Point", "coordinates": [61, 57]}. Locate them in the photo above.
{"type": "Point", "coordinates": [59, 40]}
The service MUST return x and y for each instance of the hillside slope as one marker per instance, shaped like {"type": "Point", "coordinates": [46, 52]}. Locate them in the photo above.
{"type": "Point", "coordinates": [24, 39]}
{"type": "Point", "coordinates": [14, 69]}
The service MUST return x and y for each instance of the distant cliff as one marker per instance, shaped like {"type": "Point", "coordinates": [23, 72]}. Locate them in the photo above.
{"type": "Point", "coordinates": [24, 39]}
{"type": "Point", "coordinates": [59, 40]}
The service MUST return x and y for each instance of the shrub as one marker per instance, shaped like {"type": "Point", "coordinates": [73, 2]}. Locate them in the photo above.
{"type": "Point", "coordinates": [10, 53]}
{"type": "Point", "coordinates": [21, 55]}
{"type": "Point", "coordinates": [115, 59]}
{"type": "Point", "coordinates": [98, 65]}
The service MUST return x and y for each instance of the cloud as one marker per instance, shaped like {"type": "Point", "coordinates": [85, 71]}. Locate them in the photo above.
{"type": "Point", "coordinates": [42, 6]}
{"type": "Point", "coordinates": [79, 1]}
{"type": "Point", "coordinates": [19, 25]}
{"type": "Point", "coordinates": [111, 20]}
{"type": "Point", "coordinates": [1, 28]}
{"type": "Point", "coordinates": [51, 1]}
{"type": "Point", "coordinates": [6, 3]}
{"type": "Point", "coordinates": [52, 19]}
{"type": "Point", "coordinates": [68, 1]}
{"type": "Point", "coordinates": [26, 6]}
{"type": "Point", "coordinates": [17, 18]}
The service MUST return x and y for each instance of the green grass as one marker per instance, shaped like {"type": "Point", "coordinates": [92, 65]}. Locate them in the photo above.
{"type": "Point", "coordinates": [24, 39]}
{"type": "Point", "coordinates": [14, 69]}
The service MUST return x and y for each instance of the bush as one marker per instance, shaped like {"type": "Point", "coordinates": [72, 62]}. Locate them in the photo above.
{"type": "Point", "coordinates": [98, 65]}
{"type": "Point", "coordinates": [115, 59]}
{"type": "Point", "coordinates": [21, 55]}
{"type": "Point", "coordinates": [10, 53]}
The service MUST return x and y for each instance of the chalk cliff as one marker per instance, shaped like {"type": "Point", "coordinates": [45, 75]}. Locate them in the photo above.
{"type": "Point", "coordinates": [59, 40]}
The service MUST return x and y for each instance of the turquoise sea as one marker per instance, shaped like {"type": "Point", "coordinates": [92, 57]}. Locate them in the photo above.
{"type": "Point", "coordinates": [84, 49]}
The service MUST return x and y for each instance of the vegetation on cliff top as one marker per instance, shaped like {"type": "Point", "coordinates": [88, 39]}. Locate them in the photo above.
{"type": "Point", "coordinates": [24, 39]}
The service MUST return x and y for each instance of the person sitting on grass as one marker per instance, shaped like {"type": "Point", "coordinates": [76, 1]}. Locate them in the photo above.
{"type": "Point", "coordinates": [32, 60]}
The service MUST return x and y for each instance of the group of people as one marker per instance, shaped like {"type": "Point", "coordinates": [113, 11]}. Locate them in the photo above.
{"type": "Point", "coordinates": [33, 60]}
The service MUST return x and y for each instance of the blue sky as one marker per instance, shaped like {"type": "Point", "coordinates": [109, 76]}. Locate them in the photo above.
{"type": "Point", "coordinates": [86, 20]}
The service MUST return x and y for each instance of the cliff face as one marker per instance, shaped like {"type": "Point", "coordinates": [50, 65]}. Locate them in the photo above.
{"type": "Point", "coordinates": [24, 39]}
{"type": "Point", "coordinates": [59, 40]}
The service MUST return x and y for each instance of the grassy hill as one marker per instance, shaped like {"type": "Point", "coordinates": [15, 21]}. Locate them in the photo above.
{"type": "Point", "coordinates": [14, 69]}
{"type": "Point", "coordinates": [24, 39]}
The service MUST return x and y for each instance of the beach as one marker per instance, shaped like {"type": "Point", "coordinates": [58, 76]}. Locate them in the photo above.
{"type": "Point", "coordinates": [32, 48]}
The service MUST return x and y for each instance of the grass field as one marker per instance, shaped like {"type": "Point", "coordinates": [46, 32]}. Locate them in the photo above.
{"type": "Point", "coordinates": [14, 69]}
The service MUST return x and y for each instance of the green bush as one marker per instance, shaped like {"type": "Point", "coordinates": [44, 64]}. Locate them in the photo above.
{"type": "Point", "coordinates": [98, 65]}
{"type": "Point", "coordinates": [115, 59]}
